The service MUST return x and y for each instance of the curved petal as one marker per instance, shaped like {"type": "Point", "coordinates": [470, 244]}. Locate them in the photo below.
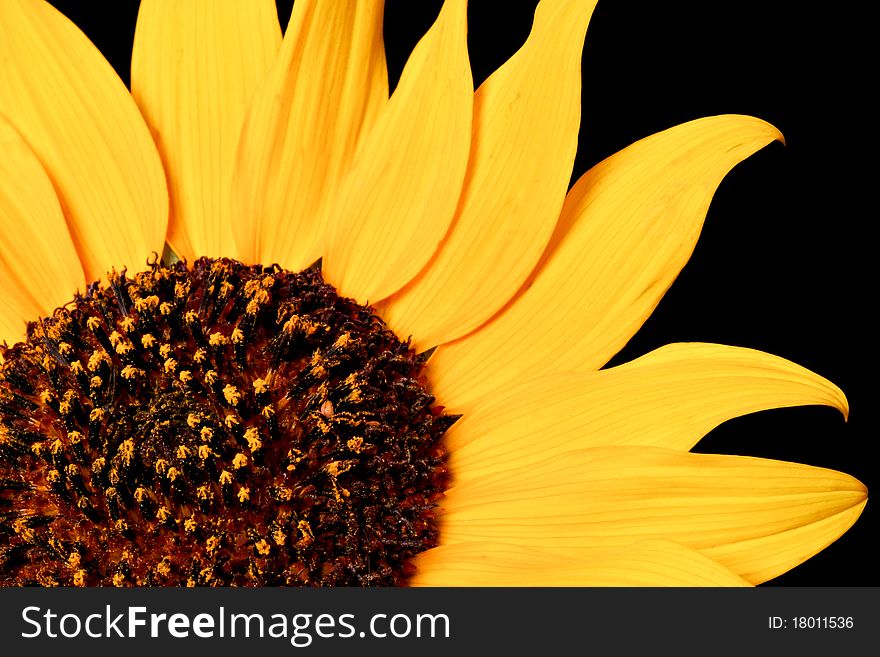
{"type": "Point", "coordinates": [649, 563]}
{"type": "Point", "coordinates": [671, 398]}
{"type": "Point", "coordinates": [39, 269]}
{"type": "Point", "coordinates": [613, 496]}
{"type": "Point", "coordinates": [194, 69]}
{"type": "Point", "coordinates": [628, 227]}
{"type": "Point", "coordinates": [763, 558]}
{"type": "Point", "coordinates": [78, 118]}
{"type": "Point", "coordinates": [304, 123]}
{"type": "Point", "coordinates": [398, 201]}
{"type": "Point", "coordinates": [526, 120]}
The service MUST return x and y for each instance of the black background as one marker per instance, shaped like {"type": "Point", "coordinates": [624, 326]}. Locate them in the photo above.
{"type": "Point", "coordinates": [783, 262]}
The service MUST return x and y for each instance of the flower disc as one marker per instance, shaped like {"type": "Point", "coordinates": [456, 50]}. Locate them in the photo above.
{"type": "Point", "coordinates": [221, 425]}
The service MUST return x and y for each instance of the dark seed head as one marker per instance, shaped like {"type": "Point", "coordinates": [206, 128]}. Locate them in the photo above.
{"type": "Point", "coordinates": [215, 425]}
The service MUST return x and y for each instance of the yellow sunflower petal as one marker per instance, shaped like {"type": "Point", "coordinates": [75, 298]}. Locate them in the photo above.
{"type": "Point", "coordinates": [39, 269]}
{"type": "Point", "coordinates": [78, 118]}
{"type": "Point", "coordinates": [761, 559]}
{"type": "Point", "coordinates": [628, 227]}
{"type": "Point", "coordinates": [324, 89]}
{"type": "Point", "coordinates": [613, 496]}
{"type": "Point", "coordinates": [526, 119]}
{"type": "Point", "coordinates": [194, 69]}
{"type": "Point", "coordinates": [671, 398]}
{"type": "Point", "coordinates": [648, 563]}
{"type": "Point", "coordinates": [406, 177]}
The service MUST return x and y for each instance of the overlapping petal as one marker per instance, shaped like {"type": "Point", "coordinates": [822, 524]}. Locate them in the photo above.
{"type": "Point", "coordinates": [80, 121]}
{"type": "Point", "coordinates": [743, 512]}
{"type": "Point", "coordinates": [194, 69]}
{"type": "Point", "coordinates": [396, 204]}
{"type": "Point", "coordinates": [39, 268]}
{"type": "Point", "coordinates": [628, 227]}
{"type": "Point", "coordinates": [671, 398]}
{"type": "Point", "coordinates": [325, 89]}
{"type": "Point", "coordinates": [648, 563]}
{"type": "Point", "coordinates": [526, 119]}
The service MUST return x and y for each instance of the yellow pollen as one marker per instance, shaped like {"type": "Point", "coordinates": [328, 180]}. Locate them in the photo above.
{"type": "Point", "coordinates": [307, 537]}
{"type": "Point", "coordinates": [185, 376]}
{"type": "Point", "coordinates": [263, 547]}
{"type": "Point", "coordinates": [200, 356]}
{"type": "Point", "coordinates": [190, 525]}
{"type": "Point", "coordinates": [173, 473]}
{"type": "Point", "coordinates": [355, 444]}
{"type": "Point", "coordinates": [211, 377]}
{"type": "Point", "coordinates": [225, 478]}
{"type": "Point", "coordinates": [204, 452]}
{"type": "Point", "coordinates": [206, 433]}
{"type": "Point", "coordinates": [244, 494]}
{"type": "Point", "coordinates": [268, 411]}
{"type": "Point", "coordinates": [232, 395]}
{"type": "Point", "coordinates": [216, 339]}
{"type": "Point", "coordinates": [164, 567]}
{"type": "Point", "coordinates": [126, 450]}
{"type": "Point", "coordinates": [97, 358]}
{"type": "Point", "coordinates": [74, 560]}
{"type": "Point", "coordinates": [212, 544]}
{"type": "Point", "coordinates": [162, 514]}
{"type": "Point", "coordinates": [148, 341]}
{"type": "Point", "coordinates": [128, 324]}
{"type": "Point", "coordinates": [182, 452]}
{"type": "Point", "coordinates": [279, 537]}
{"type": "Point", "coordinates": [165, 350]}
{"type": "Point", "coordinates": [230, 421]}
{"type": "Point", "coordinates": [165, 308]}
{"type": "Point", "coordinates": [193, 420]}
{"type": "Point", "coordinates": [252, 436]}
{"type": "Point", "coordinates": [261, 386]}
{"type": "Point", "coordinates": [93, 323]}
{"type": "Point", "coordinates": [97, 414]}
{"type": "Point", "coordinates": [118, 579]}
{"type": "Point", "coordinates": [237, 335]}
{"type": "Point", "coordinates": [94, 383]}
{"type": "Point", "coordinates": [77, 368]}
{"type": "Point", "coordinates": [239, 461]}
{"type": "Point", "coordinates": [131, 372]}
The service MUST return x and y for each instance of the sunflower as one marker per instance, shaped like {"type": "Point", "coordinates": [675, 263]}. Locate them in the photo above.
{"type": "Point", "coordinates": [245, 413]}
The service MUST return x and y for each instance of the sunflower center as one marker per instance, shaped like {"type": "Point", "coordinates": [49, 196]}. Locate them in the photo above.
{"type": "Point", "coordinates": [215, 425]}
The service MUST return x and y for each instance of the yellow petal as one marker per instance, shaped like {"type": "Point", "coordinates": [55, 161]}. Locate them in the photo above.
{"type": "Point", "coordinates": [671, 398]}
{"type": "Point", "coordinates": [766, 557]}
{"type": "Point", "coordinates": [609, 497]}
{"type": "Point", "coordinates": [78, 118]}
{"type": "Point", "coordinates": [194, 69]}
{"type": "Point", "coordinates": [302, 128]}
{"type": "Point", "coordinates": [39, 270]}
{"type": "Point", "coordinates": [628, 227]}
{"type": "Point", "coordinates": [526, 119]}
{"type": "Point", "coordinates": [649, 563]}
{"type": "Point", "coordinates": [400, 196]}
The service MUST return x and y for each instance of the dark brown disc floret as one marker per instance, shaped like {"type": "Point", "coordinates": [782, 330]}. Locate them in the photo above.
{"type": "Point", "coordinates": [218, 424]}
